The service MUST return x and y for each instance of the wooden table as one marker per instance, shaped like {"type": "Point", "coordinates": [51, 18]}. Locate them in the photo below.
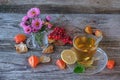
{"type": "Point", "coordinates": [14, 66]}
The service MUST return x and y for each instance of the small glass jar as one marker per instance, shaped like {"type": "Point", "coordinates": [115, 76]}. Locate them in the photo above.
{"type": "Point", "coordinates": [36, 42]}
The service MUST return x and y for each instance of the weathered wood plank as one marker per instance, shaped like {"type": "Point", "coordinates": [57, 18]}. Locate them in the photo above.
{"type": "Point", "coordinates": [108, 23]}
{"type": "Point", "coordinates": [62, 6]}
{"type": "Point", "coordinates": [14, 66]}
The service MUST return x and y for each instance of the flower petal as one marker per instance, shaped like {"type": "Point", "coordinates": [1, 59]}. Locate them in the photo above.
{"type": "Point", "coordinates": [22, 24]}
{"type": "Point", "coordinates": [33, 12]}
{"type": "Point", "coordinates": [25, 18]}
{"type": "Point", "coordinates": [34, 30]}
{"type": "Point", "coordinates": [27, 29]}
{"type": "Point", "coordinates": [48, 18]}
{"type": "Point", "coordinates": [50, 26]}
{"type": "Point", "coordinates": [37, 23]}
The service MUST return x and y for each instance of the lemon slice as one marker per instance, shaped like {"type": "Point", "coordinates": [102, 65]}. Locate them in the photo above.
{"type": "Point", "coordinates": [68, 56]}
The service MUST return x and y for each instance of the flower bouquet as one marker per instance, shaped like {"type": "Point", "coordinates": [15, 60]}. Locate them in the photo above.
{"type": "Point", "coordinates": [32, 24]}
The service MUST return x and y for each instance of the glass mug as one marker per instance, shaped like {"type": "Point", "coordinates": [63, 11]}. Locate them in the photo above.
{"type": "Point", "coordinates": [85, 46]}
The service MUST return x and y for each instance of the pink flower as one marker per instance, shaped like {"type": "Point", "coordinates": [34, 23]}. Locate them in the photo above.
{"type": "Point", "coordinates": [34, 30]}
{"type": "Point", "coordinates": [27, 29]}
{"type": "Point", "coordinates": [48, 18]}
{"type": "Point", "coordinates": [37, 23]}
{"type": "Point", "coordinates": [22, 24]}
{"type": "Point", "coordinates": [25, 21]}
{"type": "Point", "coordinates": [49, 26]}
{"type": "Point", "coordinates": [25, 18]}
{"type": "Point", "coordinates": [33, 12]}
{"type": "Point", "coordinates": [43, 22]}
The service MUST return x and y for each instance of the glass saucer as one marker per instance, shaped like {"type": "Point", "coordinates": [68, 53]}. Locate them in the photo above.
{"type": "Point", "coordinates": [100, 61]}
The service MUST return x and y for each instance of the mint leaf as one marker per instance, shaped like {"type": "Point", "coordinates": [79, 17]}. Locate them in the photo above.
{"type": "Point", "coordinates": [79, 69]}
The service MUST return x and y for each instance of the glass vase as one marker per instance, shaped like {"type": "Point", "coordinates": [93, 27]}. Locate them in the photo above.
{"type": "Point", "coordinates": [37, 40]}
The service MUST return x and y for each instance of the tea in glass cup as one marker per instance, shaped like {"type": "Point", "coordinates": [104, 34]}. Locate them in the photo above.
{"type": "Point", "coordinates": [85, 46]}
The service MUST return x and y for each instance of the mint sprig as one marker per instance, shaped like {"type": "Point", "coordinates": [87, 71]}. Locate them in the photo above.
{"type": "Point", "coordinates": [79, 68]}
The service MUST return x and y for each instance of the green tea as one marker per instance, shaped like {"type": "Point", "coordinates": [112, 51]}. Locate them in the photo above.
{"type": "Point", "coordinates": [85, 49]}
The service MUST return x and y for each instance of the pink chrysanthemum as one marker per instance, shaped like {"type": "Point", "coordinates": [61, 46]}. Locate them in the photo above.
{"type": "Point", "coordinates": [22, 24]}
{"type": "Point", "coordinates": [48, 18]}
{"type": "Point", "coordinates": [27, 29]}
{"type": "Point", "coordinates": [50, 26]}
{"type": "Point", "coordinates": [34, 30]}
{"type": "Point", "coordinates": [42, 22]}
{"type": "Point", "coordinates": [33, 12]}
{"type": "Point", "coordinates": [37, 23]}
{"type": "Point", "coordinates": [25, 18]}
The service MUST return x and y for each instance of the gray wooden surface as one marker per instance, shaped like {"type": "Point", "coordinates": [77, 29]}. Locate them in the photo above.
{"type": "Point", "coordinates": [14, 66]}
{"type": "Point", "coordinates": [62, 6]}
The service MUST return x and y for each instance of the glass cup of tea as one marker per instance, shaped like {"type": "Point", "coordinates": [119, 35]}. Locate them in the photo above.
{"type": "Point", "coordinates": [85, 47]}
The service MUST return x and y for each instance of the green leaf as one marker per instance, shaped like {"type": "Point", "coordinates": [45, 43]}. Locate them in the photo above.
{"type": "Point", "coordinates": [79, 68]}
{"type": "Point", "coordinates": [39, 37]}
{"type": "Point", "coordinates": [40, 34]}
{"type": "Point", "coordinates": [42, 29]}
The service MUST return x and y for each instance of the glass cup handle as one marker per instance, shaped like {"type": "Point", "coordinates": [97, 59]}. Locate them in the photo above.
{"type": "Point", "coordinates": [98, 40]}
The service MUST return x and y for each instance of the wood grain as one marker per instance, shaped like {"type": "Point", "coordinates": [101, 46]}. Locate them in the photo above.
{"type": "Point", "coordinates": [14, 66]}
{"type": "Point", "coordinates": [62, 6]}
